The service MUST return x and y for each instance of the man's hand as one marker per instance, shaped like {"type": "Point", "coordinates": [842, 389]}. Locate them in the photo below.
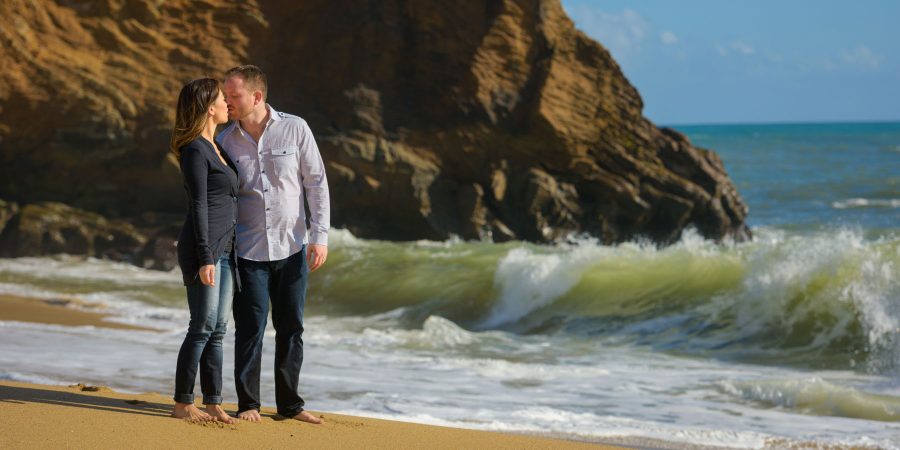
{"type": "Point", "coordinates": [316, 255]}
{"type": "Point", "coordinates": [208, 275]}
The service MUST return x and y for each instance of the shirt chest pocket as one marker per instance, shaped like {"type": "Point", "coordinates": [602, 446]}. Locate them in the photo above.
{"type": "Point", "coordinates": [283, 160]}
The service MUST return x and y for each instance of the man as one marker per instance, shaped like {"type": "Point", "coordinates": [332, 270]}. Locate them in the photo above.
{"type": "Point", "coordinates": [278, 162]}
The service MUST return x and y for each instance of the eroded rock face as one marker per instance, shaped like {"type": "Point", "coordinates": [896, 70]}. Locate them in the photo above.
{"type": "Point", "coordinates": [161, 250]}
{"type": "Point", "coordinates": [88, 93]}
{"type": "Point", "coordinates": [49, 228]}
{"type": "Point", "coordinates": [483, 119]}
{"type": "Point", "coordinates": [7, 211]}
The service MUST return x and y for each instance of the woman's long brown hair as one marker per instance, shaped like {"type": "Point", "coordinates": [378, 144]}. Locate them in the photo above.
{"type": "Point", "coordinates": [191, 114]}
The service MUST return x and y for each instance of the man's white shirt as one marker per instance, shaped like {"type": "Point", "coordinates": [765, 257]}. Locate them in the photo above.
{"type": "Point", "coordinates": [274, 174]}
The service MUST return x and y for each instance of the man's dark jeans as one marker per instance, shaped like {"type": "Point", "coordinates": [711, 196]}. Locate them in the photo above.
{"type": "Point", "coordinates": [284, 282]}
{"type": "Point", "coordinates": [202, 345]}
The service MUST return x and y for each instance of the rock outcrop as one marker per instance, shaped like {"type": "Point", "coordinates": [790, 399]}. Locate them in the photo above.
{"type": "Point", "coordinates": [48, 228]}
{"type": "Point", "coordinates": [484, 119]}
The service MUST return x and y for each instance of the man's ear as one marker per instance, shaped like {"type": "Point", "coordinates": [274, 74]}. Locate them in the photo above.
{"type": "Point", "coordinates": [257, 97]}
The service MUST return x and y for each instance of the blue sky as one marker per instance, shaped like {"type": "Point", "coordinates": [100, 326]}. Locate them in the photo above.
{"type": "Point", "coordinates": [761, 61]}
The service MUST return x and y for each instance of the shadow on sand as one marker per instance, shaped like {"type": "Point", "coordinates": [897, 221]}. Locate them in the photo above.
{"type": "Point", "coordinates": [21, 395]}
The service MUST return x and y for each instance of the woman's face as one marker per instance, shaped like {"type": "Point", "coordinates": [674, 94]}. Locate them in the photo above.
{"type": "Point", "coordinates": [218, 111]}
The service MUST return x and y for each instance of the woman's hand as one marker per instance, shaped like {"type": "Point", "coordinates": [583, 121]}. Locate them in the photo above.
{"type": "Point", "coordinates": [208, 275]}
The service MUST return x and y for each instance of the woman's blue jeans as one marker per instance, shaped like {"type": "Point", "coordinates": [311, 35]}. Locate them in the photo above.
{"type": "Point", "coordinates": [210, 307]}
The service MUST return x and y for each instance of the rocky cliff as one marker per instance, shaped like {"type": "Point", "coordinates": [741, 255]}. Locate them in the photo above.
{"type": "Point", "coordinates": [484, 119]}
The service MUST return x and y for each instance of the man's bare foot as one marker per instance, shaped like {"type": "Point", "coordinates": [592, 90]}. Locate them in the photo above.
{"type": "Point", "coordinates": [190, 412]}
{"type": "Point", "coordinates": [305, 416]}
{"type": "Point", "coordinates": [219, 414]}
{"type": "Point", "coordinates": [250, 415]}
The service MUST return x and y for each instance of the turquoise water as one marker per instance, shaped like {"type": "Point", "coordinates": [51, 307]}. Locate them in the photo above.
{"type": "Point", "coordinates": [810, 176]}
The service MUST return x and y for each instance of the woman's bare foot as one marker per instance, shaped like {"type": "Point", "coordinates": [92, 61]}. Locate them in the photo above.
{"type": "Point", "coordinates": [190, 412]}
{"type": "Point", "coordinates": [219, 414]}
{"type": "Point", "coordinates": [250, 415]}
{"type": "Point", "coordinates": [305, 416]}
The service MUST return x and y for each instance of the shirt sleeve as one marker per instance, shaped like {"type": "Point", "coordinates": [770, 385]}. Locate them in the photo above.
{"type": "Point", "coordinates": [315, 186]}
{"type": "Point", "coordinates": [195, 168]}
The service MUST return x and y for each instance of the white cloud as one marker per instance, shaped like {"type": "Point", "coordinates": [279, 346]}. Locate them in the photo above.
{"type": "Point", "coordinates": [742, 48]}
{"type": "Point", "coordinates": [861, 57]}
{"type": "Point", "coordinates": [739, 47]}
{"type": "Point", "coordinates": [621, 33]}
{"type": "Point", "coordinates": [668, 38]}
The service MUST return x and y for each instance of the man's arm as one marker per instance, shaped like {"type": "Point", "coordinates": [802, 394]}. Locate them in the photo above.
{"type": "Point", "coordinates": [315, 185]}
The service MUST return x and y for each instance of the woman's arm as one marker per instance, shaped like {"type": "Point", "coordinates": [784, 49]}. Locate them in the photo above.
{"type": "Point", "coordinates": [195, 169]}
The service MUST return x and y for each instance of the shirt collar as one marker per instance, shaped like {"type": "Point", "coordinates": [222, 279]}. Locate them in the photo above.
{"type": "Point", "coordinates": [273, 115]}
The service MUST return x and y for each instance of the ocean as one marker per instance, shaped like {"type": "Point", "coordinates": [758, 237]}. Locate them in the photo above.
{"type": "Point", "coordinates": [790, 340]}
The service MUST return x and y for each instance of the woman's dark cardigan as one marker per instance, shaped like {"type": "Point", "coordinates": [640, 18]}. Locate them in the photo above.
{"type": "Point", "coordinates": [209, 227]}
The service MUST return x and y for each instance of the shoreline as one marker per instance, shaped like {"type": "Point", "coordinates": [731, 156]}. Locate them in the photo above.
{"type": "Point", "coordinates": [81, 416]}
{"type": "Point", "coordinates": [57, 312]}
{"type": "Point", "coordinates": [42, 416]}
{"type": "Point", "coordinates": [55, 416]}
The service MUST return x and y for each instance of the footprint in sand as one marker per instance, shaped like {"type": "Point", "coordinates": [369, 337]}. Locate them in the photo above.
{"type": "Point", "coordinates": [85, 388]}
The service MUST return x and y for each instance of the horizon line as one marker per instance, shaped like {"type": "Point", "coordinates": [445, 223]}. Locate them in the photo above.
{"type": "Point", "coordinates": [787, 122]}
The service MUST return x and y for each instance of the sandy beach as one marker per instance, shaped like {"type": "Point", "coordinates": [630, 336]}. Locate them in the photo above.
{"type": "Point", "coordinates": [80, 416]}
{"type": "Point", "coordinates": [38, 416]}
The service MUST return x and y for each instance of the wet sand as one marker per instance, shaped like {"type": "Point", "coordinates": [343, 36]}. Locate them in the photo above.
{"type": "Point", "coordinates": [54, 312]}
{"type": "Point", "coordinates": [38, 416]}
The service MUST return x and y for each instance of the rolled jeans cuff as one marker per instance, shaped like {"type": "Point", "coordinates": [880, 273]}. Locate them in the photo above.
{"type": "Point", "coordinates": [212, 399]}
{"type": "Point", "coordinates": [183, 398]}
{"type": "Point", "coordinates": [248, 408]}
{"type": "Point", "coordinates": [291, 412]}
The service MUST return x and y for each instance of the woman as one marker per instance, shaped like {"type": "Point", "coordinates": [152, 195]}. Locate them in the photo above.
{"type": "Point", "coordinates": [205, 246]}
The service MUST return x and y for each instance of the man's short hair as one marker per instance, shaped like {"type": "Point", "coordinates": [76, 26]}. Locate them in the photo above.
{"type": "Point", "coordinates": [252, 75]}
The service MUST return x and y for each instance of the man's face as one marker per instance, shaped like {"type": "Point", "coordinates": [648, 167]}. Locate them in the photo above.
{"type": "Point", "coordinates": [240, 100]}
